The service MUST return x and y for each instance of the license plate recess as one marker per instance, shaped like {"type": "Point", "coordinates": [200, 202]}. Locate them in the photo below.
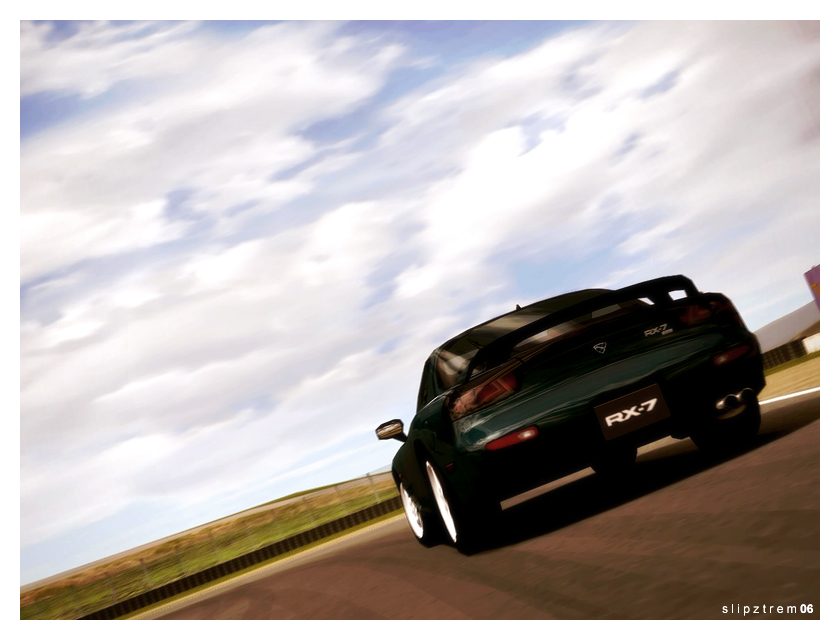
{"type": "Point", "coordinates": [632, 411]}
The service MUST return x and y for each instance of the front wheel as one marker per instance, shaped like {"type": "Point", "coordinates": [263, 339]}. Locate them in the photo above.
{"type": "Point", "coordinates": [423, 528]}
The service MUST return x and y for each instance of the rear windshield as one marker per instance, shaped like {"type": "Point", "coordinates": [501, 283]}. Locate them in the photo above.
{"type": "Point", "coordinates": [454, 357]}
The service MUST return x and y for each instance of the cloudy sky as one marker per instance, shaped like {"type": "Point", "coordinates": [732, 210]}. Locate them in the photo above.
{"type": "Point", "coordinates": [240, 241]}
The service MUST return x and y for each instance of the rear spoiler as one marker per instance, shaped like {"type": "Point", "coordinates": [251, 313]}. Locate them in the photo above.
{"type": "Point", "coordinates": [655, 290]}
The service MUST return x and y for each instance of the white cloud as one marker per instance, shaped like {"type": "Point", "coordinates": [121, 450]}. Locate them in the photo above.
{"type": "Point", "coordinates": [51, 239]}
{"type": "Point", "coordinates": [651, 239]}
{"type": "Point", "coordinates": [251, 303]}
{"type": "Point", "coordinates": [727, 145]}
{"type": "Point", "coordinates": [59, 497]}
{"type": "Point", "coordinates": [116, 52]}
{"type": "Point", "coordinates": [219, 127]}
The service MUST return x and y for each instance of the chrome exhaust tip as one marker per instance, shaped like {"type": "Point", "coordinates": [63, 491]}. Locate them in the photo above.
{"type": "Point", "coordinates": [734, 403]}
{"type": "Point", "coordinates": [727, 402]}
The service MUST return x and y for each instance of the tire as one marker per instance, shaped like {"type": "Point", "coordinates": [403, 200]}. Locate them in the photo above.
{"type": "Point", "coordinates": [615, 463]}
{"type": "Point", "coordinates": [468, 527]}
{"type": "Point", "coordinates": [730, 434]}
{"type": "Point", "coordinates": [424, 528]}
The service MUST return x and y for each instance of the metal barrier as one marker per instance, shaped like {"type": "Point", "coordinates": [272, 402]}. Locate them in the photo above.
{"type": "Point", "coordinates": [785, 353]}
{"type": "Point", "coordinates": [244, 561]}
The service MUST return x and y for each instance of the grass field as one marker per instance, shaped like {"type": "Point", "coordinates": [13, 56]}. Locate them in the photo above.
{"type": "Point", "coordinates": [796, 375]}
{"type": "Point", "coordinates": [77, 593]}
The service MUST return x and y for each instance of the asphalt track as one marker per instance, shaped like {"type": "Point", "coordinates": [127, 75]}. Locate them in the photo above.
{"type": "Point", "coordinates": [688, 536]}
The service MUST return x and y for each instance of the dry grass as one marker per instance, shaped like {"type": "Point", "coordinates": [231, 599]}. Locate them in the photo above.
{"type": "Point", "coordinates": [796, 377]}
{"type": "Point", "coordinates": [101, 584]}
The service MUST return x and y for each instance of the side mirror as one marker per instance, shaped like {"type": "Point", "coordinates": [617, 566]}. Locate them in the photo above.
{"type": "Point", "coordinates": [393, 429]}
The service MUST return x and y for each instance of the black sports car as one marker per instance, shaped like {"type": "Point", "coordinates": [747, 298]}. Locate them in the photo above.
{"type": "Point", "coordinates": [578, 380]}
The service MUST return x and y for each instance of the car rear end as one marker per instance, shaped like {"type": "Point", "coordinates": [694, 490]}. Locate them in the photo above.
{"type": "Point", "coordinates": [622, 369]}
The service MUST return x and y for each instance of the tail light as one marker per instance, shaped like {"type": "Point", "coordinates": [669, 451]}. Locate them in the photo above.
{"type": "Point", "coordinates": [521, 435]}
{"type": "Point", "coordinates": [723, 308]}
{"type": "Point", "coordinates": [719, 307]}
{"type": "Point", "coordinates": [731, 354]}
{"type": "Point", "coordinates": [483, 394]}
{"type": "Point", "coordinates": [695, 314]}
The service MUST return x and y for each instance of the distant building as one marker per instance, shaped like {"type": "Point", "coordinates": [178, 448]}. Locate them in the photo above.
{"type": "Point", "coordinates": [812, 277]}
{"type": "Point", "coordinates": [799, 324]}
{"type": "Point", "coordinates": [794, 335]}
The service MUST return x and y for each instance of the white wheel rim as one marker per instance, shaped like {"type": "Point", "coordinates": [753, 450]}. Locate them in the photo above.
{"type": "Point", "coordinates": [442, 502]}
{"type": "Point", "coordinates": [412, 512]}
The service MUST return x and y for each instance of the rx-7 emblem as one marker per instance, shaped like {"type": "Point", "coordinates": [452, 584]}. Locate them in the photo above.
{"type": "Point", "coordinates": [633, 412]}
{"type": "Point", "coordinates": [601, 347]}
{"type": "Point", "coordinates": [662, 329]}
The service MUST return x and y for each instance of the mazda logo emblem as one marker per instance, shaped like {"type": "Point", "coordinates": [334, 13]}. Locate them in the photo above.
{"type": "Point", "coordinates": [601, 347]}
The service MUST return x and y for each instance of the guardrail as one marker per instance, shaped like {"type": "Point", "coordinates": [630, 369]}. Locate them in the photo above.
{"type": "Point", "coordinates": [235, 565]}
{"type": "Point", "coordinates": [785, 353]}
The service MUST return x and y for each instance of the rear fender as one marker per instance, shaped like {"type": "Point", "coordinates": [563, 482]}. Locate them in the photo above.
{"type": "Point", "coordinates": [430, 437]}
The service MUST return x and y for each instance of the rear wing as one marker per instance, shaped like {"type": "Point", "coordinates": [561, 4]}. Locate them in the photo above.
{"type": "Point", "coordinates": [656, 290]}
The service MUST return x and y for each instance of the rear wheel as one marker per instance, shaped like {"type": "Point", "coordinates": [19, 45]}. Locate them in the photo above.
{"type": "Point", "coordinates": [442, 502]}
{"type": "Point", "coordinates": [730, 433]}
{"type": "Point", "coordinates": [467, 526]}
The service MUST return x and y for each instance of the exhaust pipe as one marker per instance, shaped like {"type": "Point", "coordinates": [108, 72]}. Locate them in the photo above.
{"type": "Point", "coordinates": [745, 395]}
{"type": "Point", "coordinates": [727, 402]}
{"type": "Point", "coordinates": [735, 400]}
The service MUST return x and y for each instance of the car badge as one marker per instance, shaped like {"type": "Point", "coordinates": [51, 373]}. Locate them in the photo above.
{"type": "Point", "coordinates": [601, 347]}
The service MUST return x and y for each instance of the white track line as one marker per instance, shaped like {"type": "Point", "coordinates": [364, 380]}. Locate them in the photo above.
{"type": "Point", "coordinates": [790, 395]}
